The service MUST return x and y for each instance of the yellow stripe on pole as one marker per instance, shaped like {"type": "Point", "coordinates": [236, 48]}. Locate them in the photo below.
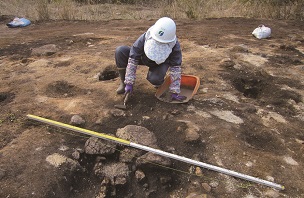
{"type": "Point", "coordinates": [78, 129]}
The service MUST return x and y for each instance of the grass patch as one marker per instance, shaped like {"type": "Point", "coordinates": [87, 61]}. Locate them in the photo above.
{"type": "Point", "coordinates": [41, 10]}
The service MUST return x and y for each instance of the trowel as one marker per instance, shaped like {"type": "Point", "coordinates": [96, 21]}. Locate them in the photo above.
{"type": "Point", "coordinates": [123, 106]}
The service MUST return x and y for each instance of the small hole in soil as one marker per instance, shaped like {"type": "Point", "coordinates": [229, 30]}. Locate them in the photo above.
{"type": "Point", "coordinates": [108, 75]}
{"type": "Point", "coordinates": [3, 97]}
{"type": "Point", "coordinates": [6, 97]}
{"type": "Point", "coordinates": [251, 93]}
{"type": "Point", "coordinates": [251, 88]}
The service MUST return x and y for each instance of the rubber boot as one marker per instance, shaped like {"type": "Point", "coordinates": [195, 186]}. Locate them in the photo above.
{"type": "Point", "coordinates": [121, 88]}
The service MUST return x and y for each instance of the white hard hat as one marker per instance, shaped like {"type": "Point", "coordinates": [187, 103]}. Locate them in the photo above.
{"type": "Point", "coordinates": [164, 30]}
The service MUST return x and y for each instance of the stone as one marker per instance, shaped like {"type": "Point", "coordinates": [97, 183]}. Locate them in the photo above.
{"type": "Point", "coordinates": [198, 171]}
{"type": "Point", "coordinates": [192, 135]}
{"type": "Point", "coordinates": [77, 120]}
{"type": "Point", "coordinates": [57, 160]}
{"type": "Point", "coordinates": [45, 50]}
{"type": "Point", "coordinates": [120, 180]}
{"type": "Point", "coordinates": [206, 187]}
{"type": "Point", "coordinates": [145, 117]}
{"type": "Point", "coordinates": [98, 146]}
{"type": "Point", "coordinates": [151, 158]}
{"type": "Point", "coordinates": [272, 193]}
{"type": "Point", "coordinates": [249, 164]}
{"type": "Point", "coordinates": [103, 188]}
{"type": "Point", "coordinates": [128, 154]}
{"type": "Point", "coordinates": [63, 62]}
{"type": "Point", "coordinates": [227, 62]}
{"type": "Point", "coordinates": [214, 184]}
{"type": "Point", "coordinates": [290, 161]}
{"type": "Point", "coordinates": [117, 173]}
{"type": "Point", "coordinates": [269, 178]}
{"type": "Point", "coordinates": [227, 116]}
{"type": "Point", "coordinates": [192, 132]}
{"type": "Point", "coordinates": [192, 169]}
{"type": "Point", "coordinates": [240, 48]}
{"type": "Point", "coordinates": [76, 155]}
{"type": "Point", "coordinates": [102, 192]}
{"type": "Point", "coordinates": [139, 175]}
{"type": "Point", "coordinates": [171, 149]}
{"type": "Point", "coordinates": [117, 113]}
{"type": "Point", "coordinates": [137, 134]}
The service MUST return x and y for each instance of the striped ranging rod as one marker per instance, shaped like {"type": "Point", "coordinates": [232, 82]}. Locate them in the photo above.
{"type": "Point", "coordinates": [157, 151]}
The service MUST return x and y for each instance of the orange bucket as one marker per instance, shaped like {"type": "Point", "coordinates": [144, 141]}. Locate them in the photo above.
{"type": "Point", "coordinates": [189, 87]}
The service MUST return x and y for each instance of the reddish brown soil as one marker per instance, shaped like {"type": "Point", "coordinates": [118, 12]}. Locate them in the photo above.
{"type": "Point", "coordinates": [264, 76]}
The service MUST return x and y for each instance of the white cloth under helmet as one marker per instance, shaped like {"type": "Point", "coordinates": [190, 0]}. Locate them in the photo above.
{"type": "Point", "coordinates": [155, 50]}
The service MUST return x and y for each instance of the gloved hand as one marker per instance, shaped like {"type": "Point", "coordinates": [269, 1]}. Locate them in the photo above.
{"type": "Point", "coordinates": [177, 97]}
{"type": "Point", "coordinates": [128, 89]}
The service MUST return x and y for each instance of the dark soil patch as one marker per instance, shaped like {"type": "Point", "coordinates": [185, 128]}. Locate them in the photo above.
{"type": "Point", "coordinates": [284, 61]}
{"type": "Point", "coordinates": [23, 50]}
{"type": "Point", "coordinates": [161, 120]}
{"type": "Point", "coordinates": [262, 140]}
{"type": "Point", "coordinates": [109, 73]}
{"type": "Point", "coordinates": [265, 89]}
{"type": "Point", "coordinates": [62, 89]}
{"type": "Point", "coordinates": [6, 97]}
{"type": "Point", "coordinates": [6, 18]}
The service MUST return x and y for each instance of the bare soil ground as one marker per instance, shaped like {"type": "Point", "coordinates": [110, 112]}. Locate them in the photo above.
{"type": "Point", "coordinates": [249, 107]}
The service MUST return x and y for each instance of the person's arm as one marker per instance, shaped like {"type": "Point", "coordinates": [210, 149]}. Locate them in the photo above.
{"type": "Point", "coordinates": [175, 76]}
{"type": "Point", "coordinates": [136, 52]}
{"type": "Point", "coordinates": [175, 70]}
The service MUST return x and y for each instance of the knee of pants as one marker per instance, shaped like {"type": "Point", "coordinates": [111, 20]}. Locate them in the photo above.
{"type": "Point", "coordinates": [155, 80]}
{"type": "Point", "coordinates": [121, 49]}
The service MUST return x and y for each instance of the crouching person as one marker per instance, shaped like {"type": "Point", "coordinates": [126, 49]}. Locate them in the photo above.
{"type": "Point", "coordinates": [157, 48]}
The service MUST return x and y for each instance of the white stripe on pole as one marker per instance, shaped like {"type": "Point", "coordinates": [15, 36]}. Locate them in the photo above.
{"type": "Point", "coordinates": [208, 166]}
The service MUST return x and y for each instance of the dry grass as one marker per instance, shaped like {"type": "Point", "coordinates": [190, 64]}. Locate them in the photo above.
{"type": "Point", "coordinates": [69, 10]}
{"type": "Point", "coordinates": [275, 9]}
{"type": "Point", "coordinates": [145, 9]}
